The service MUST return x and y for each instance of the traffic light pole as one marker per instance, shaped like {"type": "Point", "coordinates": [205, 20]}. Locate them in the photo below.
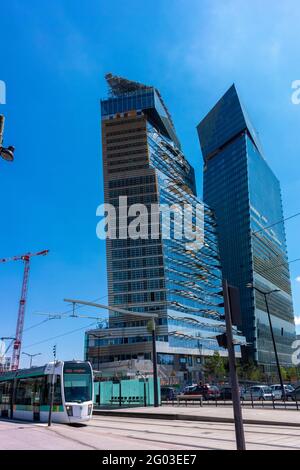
{"type": "Point", "coordinates": [152, 329]}
{"type": "Point", "coordinates": [237, 409]}
{"type": "Point", "coordinates": [155, 377]}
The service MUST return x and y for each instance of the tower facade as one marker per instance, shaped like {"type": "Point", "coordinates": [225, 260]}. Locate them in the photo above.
{"type": "Point", "coordinates": [246, 198]}
{"type": "Point", "coordinates": [162, 271]}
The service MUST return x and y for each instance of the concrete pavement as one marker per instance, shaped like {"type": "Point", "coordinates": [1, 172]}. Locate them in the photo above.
{"type": "Point", "coordinates": [115, 433]}
{"type": "Point", "coordinates": [31, 436]}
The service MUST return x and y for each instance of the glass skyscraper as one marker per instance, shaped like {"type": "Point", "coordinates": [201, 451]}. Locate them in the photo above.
{"type": "Point", "coordinates": [246, 198]}
{"type": "Point", "coordinates": [143, 161]}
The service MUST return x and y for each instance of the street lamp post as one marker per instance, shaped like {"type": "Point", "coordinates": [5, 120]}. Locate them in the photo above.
{"type": "Point", "coordinates": [31, 356]}
{"type": "Point", "coordinates": [265, 294]}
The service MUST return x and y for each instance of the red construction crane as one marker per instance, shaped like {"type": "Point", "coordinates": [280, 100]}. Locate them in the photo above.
{"type": "Point", "coordinates": [22, 305]}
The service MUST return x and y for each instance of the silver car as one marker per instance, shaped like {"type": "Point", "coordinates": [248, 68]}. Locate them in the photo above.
{"type": "Point", "coordinates": [258, 392]}
{"type": "Point", "coordinates": [277, 391]}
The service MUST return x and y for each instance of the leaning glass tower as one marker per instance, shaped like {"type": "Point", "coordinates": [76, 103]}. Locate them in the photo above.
{"type": "Point", "coordinates": [246, 197]}
{"type": "Point", "coordinates": [163, 273]}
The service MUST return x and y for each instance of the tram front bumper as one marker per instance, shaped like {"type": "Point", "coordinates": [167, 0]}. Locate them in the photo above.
{"type": "Point", "coordinates": [77, 412]}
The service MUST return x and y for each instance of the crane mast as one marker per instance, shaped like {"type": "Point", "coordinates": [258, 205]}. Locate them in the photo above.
{"type": "Point", "coordinates": [21, 316]}
{"type": "Point", "coordinates": [22, 305]}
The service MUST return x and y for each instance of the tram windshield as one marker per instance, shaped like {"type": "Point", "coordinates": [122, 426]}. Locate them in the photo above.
{"type": "Point", "coordinates": [77, 382]}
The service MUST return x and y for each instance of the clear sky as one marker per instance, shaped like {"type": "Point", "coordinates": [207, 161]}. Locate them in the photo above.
{"type": "Point", "coordinates": [54, 54]}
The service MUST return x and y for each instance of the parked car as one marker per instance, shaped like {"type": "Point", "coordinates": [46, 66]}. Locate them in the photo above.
{"type": "Point", "coordinates": [168, 393]}
{"type": "Point", "coordinates": [257, 392]}
{"type": "Point", "coordinates": [277, 391]}
{"type": "Point", "coordinates": [208, 392]}
{"type": "Point", "coordinates": [295, 395]}
{"type": "Point", "coordinates": [226, 393]}
{"type": "Point", "coordinates": [188, 387]}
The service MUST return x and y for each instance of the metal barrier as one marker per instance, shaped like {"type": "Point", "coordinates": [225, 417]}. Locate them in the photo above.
{"type": "Point", "coordinates": [190, 400]}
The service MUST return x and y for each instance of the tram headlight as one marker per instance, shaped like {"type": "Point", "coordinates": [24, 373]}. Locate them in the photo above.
{"type": "Point", "coordinates": [69, 410]}
{"type": "Point", "coordinates": [90, 409]}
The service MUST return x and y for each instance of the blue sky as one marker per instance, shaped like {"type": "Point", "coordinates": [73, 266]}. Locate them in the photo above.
{"type": "Point", "coordinates": [54, 55]}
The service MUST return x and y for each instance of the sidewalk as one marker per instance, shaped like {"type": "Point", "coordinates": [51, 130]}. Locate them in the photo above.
{"type": "Point", "coordinates": [214, 414]}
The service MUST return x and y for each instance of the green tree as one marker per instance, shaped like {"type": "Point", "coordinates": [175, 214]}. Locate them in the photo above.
{"type": "Point", "coordinates": [292, 374]}
{"type": "Point", "coordinates": [284, 373]}
{"type": "Point", "coordinates": [250, 371]}
{"type": "Point", "coordinates": [214, 367]}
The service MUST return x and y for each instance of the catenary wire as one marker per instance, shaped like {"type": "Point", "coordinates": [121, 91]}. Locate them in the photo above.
{"type": "Point", "coordinates": [61, 335]}
{"type": "Point", "coordinates": [276, 223]}
{"type": "Point", "coordinates": [35, 325]}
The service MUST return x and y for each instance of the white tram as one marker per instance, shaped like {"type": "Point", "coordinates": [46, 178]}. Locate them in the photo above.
{"type": "Point", "coordinates": [25, 393]}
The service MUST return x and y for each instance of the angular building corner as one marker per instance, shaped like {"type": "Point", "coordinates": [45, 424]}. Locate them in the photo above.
{"type": "Point", "coordinates": [142, 160]}
{"type": "Point", "coordinates": [246, 198]}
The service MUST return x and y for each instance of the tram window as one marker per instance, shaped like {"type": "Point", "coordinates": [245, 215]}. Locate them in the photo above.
{"type": "Point", "coordinates": [78, 388]}
{"type": "Point", "coordinates": [57, 400]}
{"type": "Point", "coordinates": [36, 390]}
{"type": "Point", "coordinates": [5, 392]}
{"type": "Point", "coordinates": [24, 391]}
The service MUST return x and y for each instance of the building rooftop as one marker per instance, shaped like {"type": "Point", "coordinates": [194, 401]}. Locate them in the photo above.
{"type": "Point", "coordinates": [119, 86]}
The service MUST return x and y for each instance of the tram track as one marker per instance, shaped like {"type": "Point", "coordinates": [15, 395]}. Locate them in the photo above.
{"type": "Point", "coordinates": [225, 427]}
{"type": "Point", "coordinates": [201, 436]}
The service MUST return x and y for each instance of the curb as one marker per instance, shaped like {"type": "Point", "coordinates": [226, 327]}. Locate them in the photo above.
{"type": "Point", "coordinates": [182, 417]}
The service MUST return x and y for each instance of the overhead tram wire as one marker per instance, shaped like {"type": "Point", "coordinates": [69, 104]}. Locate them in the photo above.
{"type": "Point", "coordinates": [63, 313]}
{"type": "Point", "coordinates": [27, 329]}
{"type": "Point", "coordinates": [8, 347]}
{"type": "Point", "coordinates": [276, 223]}
{"type": "Point", "coordinates": [61, 335]}
{"type": "Point", "coordinates": [281, 264]}
{"type": "Point", "coordinates": [35, 325]}
{"type": "Point", "coordinates": [76, 307]}
{"type": "Point", "coordinates": [273, 225]}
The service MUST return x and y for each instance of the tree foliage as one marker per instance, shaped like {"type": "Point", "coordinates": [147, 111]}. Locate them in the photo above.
{"type": "Point", "coordinates": [215, 367]}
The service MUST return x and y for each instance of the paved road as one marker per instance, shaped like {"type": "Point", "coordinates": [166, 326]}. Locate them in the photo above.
{"type": "Point", "coordinates": [255, 416]}
{"type": "Point", "coordinates": [111, 433]}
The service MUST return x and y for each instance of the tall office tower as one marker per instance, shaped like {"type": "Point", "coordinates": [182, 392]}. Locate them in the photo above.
{"type": "Point", "coordinates": [246, 198]}
{"type": "Point", "coordinates": [142, 161]}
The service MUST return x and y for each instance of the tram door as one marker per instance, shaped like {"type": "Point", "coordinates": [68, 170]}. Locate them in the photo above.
{"type": "Point", "coordinates": [36, 398]}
